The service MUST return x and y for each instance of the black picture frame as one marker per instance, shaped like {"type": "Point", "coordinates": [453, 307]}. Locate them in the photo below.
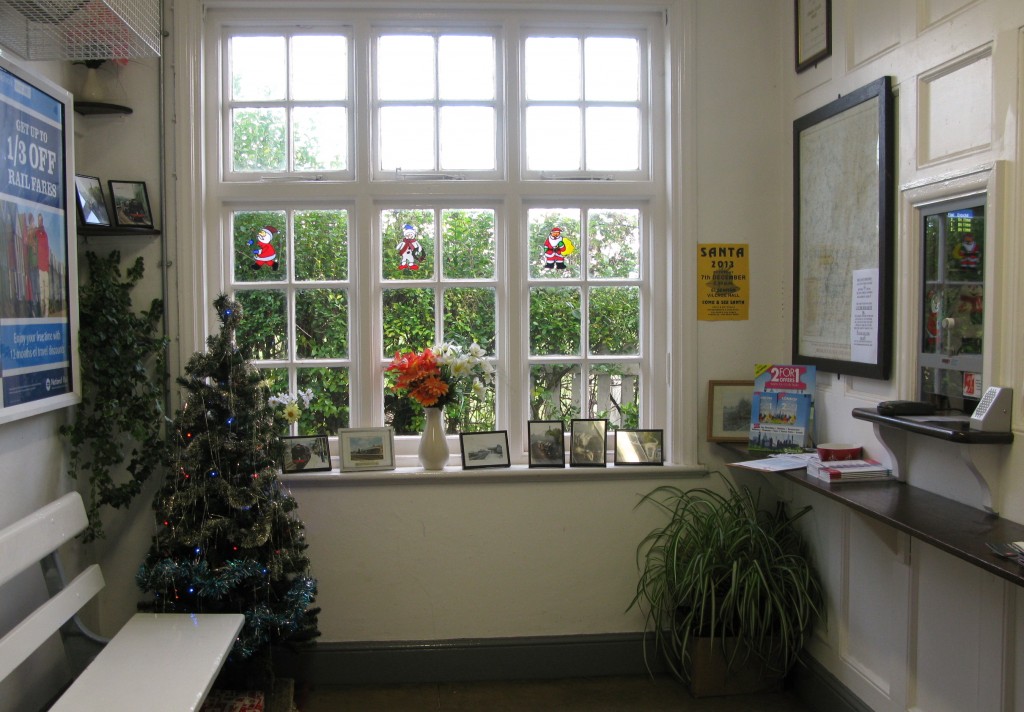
{"type": "Point", "coordinates": [812, 34]}
{"type": "Point", "coordinates": [90, 202]}
{"type": "Point", "coordinates": [131, 203]}
{"type": "Point", "coordinates": [588, 446]}
{"type": "Point", "coordinates": [484, 449]}
{"type": "Point", "coordinates": [637, 446]}
{"type": "Point", "coordinates": [843, 233]}
{"type": "Point", "coordinates": [546, 443]}
{"type": "Point", "coordinates": [306, 453]}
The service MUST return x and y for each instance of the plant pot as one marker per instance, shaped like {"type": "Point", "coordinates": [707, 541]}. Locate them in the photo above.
{"type": "Point", "coordinates": [711, 674]}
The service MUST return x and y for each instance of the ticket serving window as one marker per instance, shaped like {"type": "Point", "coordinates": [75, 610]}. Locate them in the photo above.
{"type": "Point", "coordinates": [953, 304]}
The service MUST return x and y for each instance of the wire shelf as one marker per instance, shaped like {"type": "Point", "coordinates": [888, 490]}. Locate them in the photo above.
{"type": "Point", "coordinates": [81, 29]}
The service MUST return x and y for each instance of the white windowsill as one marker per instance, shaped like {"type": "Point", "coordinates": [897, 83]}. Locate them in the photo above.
{"type": "Point", "coordinates": [516, 473]}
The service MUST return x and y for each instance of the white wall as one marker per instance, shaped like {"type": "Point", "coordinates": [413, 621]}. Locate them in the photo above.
{"type": "Point", "coordinates": [910, 627]}
{"type": "Point", "coordinates": [34, 463]}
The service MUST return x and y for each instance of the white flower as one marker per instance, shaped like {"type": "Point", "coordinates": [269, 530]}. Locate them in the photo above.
{"type": "Point", "coordinates": [290, 402]}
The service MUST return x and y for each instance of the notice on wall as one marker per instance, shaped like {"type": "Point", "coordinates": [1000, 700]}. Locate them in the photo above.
{"type": "Point", "coordinates": [864, 316]}
{"type": "Point", "coordinates": [723, 282]}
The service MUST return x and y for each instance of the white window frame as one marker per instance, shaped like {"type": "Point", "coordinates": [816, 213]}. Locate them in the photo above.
{"type": "Point", "coordinates": [670, 318]}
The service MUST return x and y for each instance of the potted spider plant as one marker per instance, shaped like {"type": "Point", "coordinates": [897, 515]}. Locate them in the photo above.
{"type": "Point", "coordinates": [727, 588]}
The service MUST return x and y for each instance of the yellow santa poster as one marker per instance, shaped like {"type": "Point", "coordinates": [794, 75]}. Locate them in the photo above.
{"type": "Point", "coordinates": [723, 282]}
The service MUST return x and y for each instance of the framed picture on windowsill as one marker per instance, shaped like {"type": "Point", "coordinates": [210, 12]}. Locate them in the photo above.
{"type": "Point", "coordinates": [489, 449]}
{"type": "Point", "coordinates": [639, 447]}
{"type": "Point", "coordinates": [306, 453]}
{"type": "Point", "coordinates": [366, 449]}
{"type": "Point", "coordinates": [587, 443]}
{"type": "Point", "coordinates": [547, 443]}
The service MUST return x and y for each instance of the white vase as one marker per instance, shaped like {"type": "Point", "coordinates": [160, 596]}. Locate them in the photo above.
{"type": "Point", "coordinates": [92, 86]}
{"type": "Point", "coordinates": [433, 449]}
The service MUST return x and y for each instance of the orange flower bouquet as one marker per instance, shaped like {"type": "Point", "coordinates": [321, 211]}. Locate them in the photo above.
{"type": "Point", "coordinates": [436, 377]}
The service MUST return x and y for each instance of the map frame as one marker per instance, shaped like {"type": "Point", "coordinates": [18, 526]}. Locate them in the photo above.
{"type": "Point", "coordinates": [844, 223]}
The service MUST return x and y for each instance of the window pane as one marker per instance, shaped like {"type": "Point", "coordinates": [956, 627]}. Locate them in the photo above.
{"type": "Point", "coordinates": [612, 69]}
{"type": "Point", "coordinates": [469, 250]}
{"type": "Point", "coordinates": [472, 414]}
{"type": "Point", "coordinates": [553, 138]}
{"type": "Point", "coordinates": [615, 395]}
{"type": "Point", "coordinates": [258, 142]}
{"type": "Point", "coordinates": [614, 320]}
{"type": "Point", "coordinates": [467, 138]}
{"type": "Point", "coordinates": [263, 332]}
{"type": "Point", "coordinates": [553, 68]}
{"type": "Point", "coordinates": [554, 321]}
{"type": "Point", "coordinates": [613, 139]}
{"type": "Point", "coordinates": [321, 323]}
{"type": "Point", "coordinates": [258, 68]}
{"type": "Point", "coordinates": [319, 68]}
{"type": "Point", "coordinates": [329, 409]}
{"type": "Point", "coordinates": [555, 392]}
{"type": "Point", "coordinates": [614, 244]}
{"type": "Point", "coordinates": [320, 138]}
{"type": "Point", "coordinates": [407, 247]}
{"type": "Point", "coordinates": [408, 320]}
{"type": "Point", "coordinates": [469, 317]}
{"type": "Point", "coordinates": [321, 245]}
{"type": "Point", "coordinates": [407, 138]}
{"type": "Point", "coordinates": [466, 67]}
{"type": "Point", "coordinates": [405, 67]}
{"type": "Point", "coordinates": [554, 240]}
{"type": "Point", "coordinates": [261, 249]}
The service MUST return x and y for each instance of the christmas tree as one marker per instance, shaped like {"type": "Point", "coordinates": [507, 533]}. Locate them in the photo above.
{"type": "Point", "coordinates": [227, 540]}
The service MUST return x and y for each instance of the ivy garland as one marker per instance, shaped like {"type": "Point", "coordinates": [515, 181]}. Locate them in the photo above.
{"type": "Point", "coordinates": [119, 426]}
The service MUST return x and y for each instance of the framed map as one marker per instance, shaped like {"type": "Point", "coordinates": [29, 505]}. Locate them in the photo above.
{"type": "Point", "coordinates": [843, 173]}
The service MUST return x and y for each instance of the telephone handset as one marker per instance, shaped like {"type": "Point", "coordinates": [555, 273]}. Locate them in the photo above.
{"type": "Point", "coordinates": [994, 410]}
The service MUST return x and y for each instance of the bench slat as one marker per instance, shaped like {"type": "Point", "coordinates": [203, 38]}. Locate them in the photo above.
{"type": "Point", "coordinates": [26, 637]}
{"type": "Point", "coordinates": [156, 661]}
{"type": "Point", "coordinates": [28, 540]}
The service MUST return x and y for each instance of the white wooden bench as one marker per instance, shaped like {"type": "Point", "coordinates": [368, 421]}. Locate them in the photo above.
{"type": "Point", "coordinates": [164, 661]}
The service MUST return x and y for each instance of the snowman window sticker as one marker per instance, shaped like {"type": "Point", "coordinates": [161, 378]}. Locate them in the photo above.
{"type": "Point", "coordinates": [556, 248]}
{"type": "Point", "coordinates": [264, 252]}
{"type": "Point", "coordinates": [410, 252]}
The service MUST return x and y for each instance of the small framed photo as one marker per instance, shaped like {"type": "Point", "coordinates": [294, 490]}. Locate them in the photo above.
{"type": "Point", "coordinates": [306, 453]}
{"type": "Point", "coordinates": [488, 449]}
{"type": "Point", "coordinates": [131, 203]}
{"type": "Point", "coordinates": [92, 208]}
{"type": "Point", "coordinates": [813, 32]}
{"type": "Point", "coordinates": [547, 443]}
{"type": "Point", "coordinates": [587, 443]}
{"type": "Point", "coordinates": [639, 447]}
{"type": "Point", "coordinates": [729, 408]}
{"type": "Point", "coordinates": [366, 449]}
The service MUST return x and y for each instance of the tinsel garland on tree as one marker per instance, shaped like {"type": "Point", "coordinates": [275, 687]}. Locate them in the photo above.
{"type": "Point", "coordinates": [227, 540]}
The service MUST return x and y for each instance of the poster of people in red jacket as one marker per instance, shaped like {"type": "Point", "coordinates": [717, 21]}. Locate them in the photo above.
{"type": "Point", "coordinates": [35, 310]}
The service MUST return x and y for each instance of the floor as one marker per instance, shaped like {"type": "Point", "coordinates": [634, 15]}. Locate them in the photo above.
{"type": "Point", "coordinates": [605, 694]}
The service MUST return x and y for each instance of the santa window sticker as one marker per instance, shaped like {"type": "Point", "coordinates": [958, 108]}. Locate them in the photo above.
{"type": "Point", "coordinates": [556, 248]}
{"type": "Point", "coordinates": [263, 250]}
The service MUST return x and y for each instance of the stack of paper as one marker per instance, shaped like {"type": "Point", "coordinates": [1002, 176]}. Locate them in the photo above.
{"type": "Point", "coordinates": [848, 470]}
